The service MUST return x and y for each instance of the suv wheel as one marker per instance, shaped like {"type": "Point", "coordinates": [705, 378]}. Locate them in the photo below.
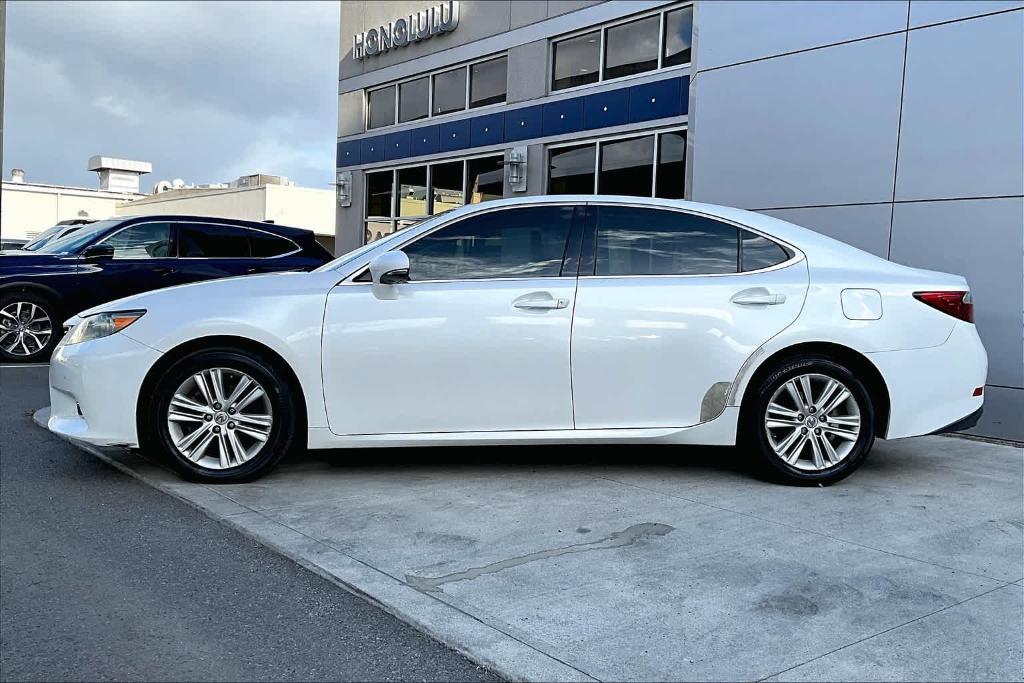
{"type": "Point", "coordinates": [812, 422]}
{"type": "Point", "coordinates": [29, 327]}
{"type": "Point", "coordinates": [221, 416]}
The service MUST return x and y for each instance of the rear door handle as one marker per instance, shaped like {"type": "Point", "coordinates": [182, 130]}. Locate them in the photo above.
{"type": "Point", "coordinates": [163, 270]}
{"type": "Point", "coordinates": [539, 301]}
{"type": "Point", "coordinates": [757, 296]}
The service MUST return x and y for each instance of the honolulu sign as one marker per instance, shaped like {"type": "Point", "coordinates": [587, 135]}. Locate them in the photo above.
{"type": "Point", "coordinates": [441, 18]}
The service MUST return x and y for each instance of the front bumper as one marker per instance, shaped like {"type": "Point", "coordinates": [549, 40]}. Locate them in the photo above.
{"type": "Point", "coordinates": [94, 389]}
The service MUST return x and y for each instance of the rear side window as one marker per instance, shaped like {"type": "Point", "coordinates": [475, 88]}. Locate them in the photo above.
{"type": "Point", "coordinates": [265, 245]}
{"type": "Point", "coordinates": [511, 243]}
{"type": "Point", "coordinates": [213, 241]}
{"type": "Point", "coordinates": [640, 241]}
{"type": "Point", "coordinates": [757, 252]}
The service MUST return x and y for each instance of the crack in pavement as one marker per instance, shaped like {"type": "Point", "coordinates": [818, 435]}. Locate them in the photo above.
{"type": "Point", "coordinates": [617, 539]}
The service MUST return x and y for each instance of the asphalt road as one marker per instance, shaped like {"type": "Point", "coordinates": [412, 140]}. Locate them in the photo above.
{"type": "Point", "coordinates": [102, 577]}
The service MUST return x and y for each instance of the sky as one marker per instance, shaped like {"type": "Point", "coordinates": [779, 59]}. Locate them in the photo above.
{"type": "Point", "coordinates": [206, 91]}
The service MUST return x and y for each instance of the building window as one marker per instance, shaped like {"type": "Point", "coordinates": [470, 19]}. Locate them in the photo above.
{"type": "Point", "coordinates": [657, 40]}
{"type": "Point", "coordinates": [577, 61]}
{"type": "Point", "coordinates": [396, 199]}
{"type": "Point", "coordinates": [477, 84]}
{"type": "Point", "coordinates": [488, 82]}
{"type": "Point", "coordinates": [381, 107]}
{"type": "Point", "coordinates": [678, 36]}
{"type": "Point", "coordinates": [414, 100]}
{"type": "Point", "coordinates": [449, 91]}
{"type": "Point", "coordinates": [631, 48]}
{"type": "Point", "coordinates": [651, 165]}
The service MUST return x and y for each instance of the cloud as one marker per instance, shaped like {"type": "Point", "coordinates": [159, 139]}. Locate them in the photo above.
{"type": "Point", "coordinates": [200, 89]}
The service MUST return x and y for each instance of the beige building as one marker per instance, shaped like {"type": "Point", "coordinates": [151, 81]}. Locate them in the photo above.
{"type": "Point", "coordinates": [26, 209]}
{"type": "Point", "coordinates": [254, 198]}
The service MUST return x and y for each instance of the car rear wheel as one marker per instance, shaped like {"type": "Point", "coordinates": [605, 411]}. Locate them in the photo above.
{"type": "Point", "coordinates": [29, 327]}
{"type": "Point", "coordinates": [222, 416]}
{"type": "Point", "coordinates": [812, 422]}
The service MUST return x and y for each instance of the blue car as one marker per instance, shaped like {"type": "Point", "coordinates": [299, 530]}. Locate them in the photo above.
{"type": "Point", "coordinates": [110, 259]}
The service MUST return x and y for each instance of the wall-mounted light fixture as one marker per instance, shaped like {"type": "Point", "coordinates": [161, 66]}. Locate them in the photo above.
{"type": "Point", "coordinates": [517, 169]}
{"type": "Point", "coordinates": [343, 186]}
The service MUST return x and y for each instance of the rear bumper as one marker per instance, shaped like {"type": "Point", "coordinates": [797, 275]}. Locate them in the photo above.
{"type": "Point", "coordinates": [962, 424]}
{"type": "Point", "coordinates": [932, 389]}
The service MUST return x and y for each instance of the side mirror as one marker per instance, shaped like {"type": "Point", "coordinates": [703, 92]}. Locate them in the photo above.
{"type": "Point", "coordinates": [99, 252]}
{"type": "Point", "coordinates": [390, 268]}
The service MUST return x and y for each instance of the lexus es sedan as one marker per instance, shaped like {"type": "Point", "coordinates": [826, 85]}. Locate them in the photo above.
{"type": "Point", "coordinates": [78, 266]}
{"type": "Point", "coordinates": [567, 319]}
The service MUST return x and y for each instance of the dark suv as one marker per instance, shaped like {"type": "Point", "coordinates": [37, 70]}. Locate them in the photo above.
{"type": "Point", "coordinates": [110, 259]}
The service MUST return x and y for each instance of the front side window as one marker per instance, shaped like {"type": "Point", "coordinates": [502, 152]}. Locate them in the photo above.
{"type": "Point", "coordinates": [631, 48]}
{"type": "Point", "coordinates": [526, 242]}
{"type": "Point", "coordinates": [145, 240]}
{"type": "Point", "coordinates": [488, 82]}
{"type": "Point", "coordinates": [413, 100]}
{"type": "Point", "coordinates": [678, 36]}
{"type": "Point", "coordinates": [642, 241]}
{"type": "Point", "coordinates": [381, 105]}
{"type": "Point", "coordinates": [571, 169]}
{"type": "Point", "coordinates": [627, 166]}
{"type": "Point", "coordinates": [576, 61]}
{"type": "Point", "coordinates": [213, 241]}
{"type": "Point", "coordinates": [759, 252]}
{"type": "Point", "coordinates": [450, 91]}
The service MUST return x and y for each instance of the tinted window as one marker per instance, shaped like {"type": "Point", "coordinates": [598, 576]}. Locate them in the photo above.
{"type": "Point", "coordinates": [627, 167]}
{"type": "Point", "coordinates": [487, 82]}
{"type": "Point", "coordinates": [571, 170]}
{"type": "Point", "coordinates": [382, 107]}
{"type": "Point", "coordinates": [447, 184]}
{"type": "Point", "coordinates": [678, 36]}
{"type": "Point", "coordinates": [486, 179]}
{"type": "Point", "coordinates": [520, 243]}
{"type": "Point", "coordinates": [412, 191]}
{"type": "Point", "coordinates": [760, 252]}
{"type": "Point", "coordinates": [450, 91]}
{"type": "Point", "coordinates": [631, 48]}
{"type": "Point", "coordinates": [576, 61]}
{"type": "Point", "coordinates": [265, 245]}
{"type": "Point", "coordinates": [145, 240]}
{"type": "Point", "coordinates": [413, 100]}
{"type": "Point", "coordinates": [213, 241]}
{"type": "Point", "coordinates": [637, 241]}
{"type": "Point", "coordinates": [378, 194]}
{"type": "Point", "coordinates": [671, 165]}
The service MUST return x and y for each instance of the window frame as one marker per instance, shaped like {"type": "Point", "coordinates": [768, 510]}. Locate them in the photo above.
{"type": "Point", "coordinates": [599, 141]}
{"type": "Point", "coordinates": [294, 251]}
{"type": "Point", "coordinates": [465, 67]}
{"type": "Point", "coordinates": [603, 30]}
{"type": "Point", "coordinates": [588, 259]}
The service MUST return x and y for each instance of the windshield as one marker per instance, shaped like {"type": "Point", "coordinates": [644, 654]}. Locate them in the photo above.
{"type": "Point", "coordinates": [48, 235]}
{"type": "Point", "coordinates": [72, 242]}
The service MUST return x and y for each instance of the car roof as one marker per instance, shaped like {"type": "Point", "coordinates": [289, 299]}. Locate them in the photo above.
{"type": "Point", "coordinates": [275, 228]}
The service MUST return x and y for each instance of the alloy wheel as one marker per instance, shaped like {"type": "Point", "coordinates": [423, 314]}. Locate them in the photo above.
{"type": "Point", "coordinates": [813, 422]}
{"type": "Point", "coordinates": [25, 328]}
{"type": "Point", "coordinates": [219, 418]}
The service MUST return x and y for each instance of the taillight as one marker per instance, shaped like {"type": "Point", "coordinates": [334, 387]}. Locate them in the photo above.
{"type": "Point", "coordinates": [957, 304]}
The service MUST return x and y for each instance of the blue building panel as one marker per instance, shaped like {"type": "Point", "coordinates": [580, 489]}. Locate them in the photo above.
{"type": "Point", "coordinates": [424, 141]}
{"type": "Point", "coordinates": [398, 145]}
{"type": "Point", "coordinates": [522, 124]}
{"type": "Point", "coordinates": [563, 116]}
{"type": "Point", "coordinates": [656, 100]}
{"type": "Point", "coordinates": [603, 109]}
{"type": "Point", "coordinates": [487, 130]}
{"type": "Point", "coordinates": [454, 135]}
{"type": "Point", "coordinates": [371, 149]}
{"type": "Point", "coordinates": [348, 153]}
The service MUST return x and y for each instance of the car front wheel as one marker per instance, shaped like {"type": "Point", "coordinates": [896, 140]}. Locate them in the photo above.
{"type": "Point", "coordinates": [812, 422]}
{"type": "Point", "coordinates": [222, 416]}
{"type": "Point", "coordinates": [29, 327]}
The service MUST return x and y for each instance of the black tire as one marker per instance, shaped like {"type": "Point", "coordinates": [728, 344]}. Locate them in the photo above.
{"type": "Point", "coordinates": [9, 330]}
{"type": "Point", "coordinates": [755, 434]}
{"type": "Point", "coordinates": [156, 438]}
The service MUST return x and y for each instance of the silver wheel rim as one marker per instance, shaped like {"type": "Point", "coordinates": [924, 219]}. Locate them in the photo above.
{"type": "Point", "coordinates": [25, 328]}
{"type": "Point", "coordinates": [812, 422]}
{"type": "Point", "coordinates": [219, 418]}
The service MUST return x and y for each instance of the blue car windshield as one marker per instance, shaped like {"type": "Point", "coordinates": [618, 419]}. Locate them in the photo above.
{"type": "Point", "coordinates": [73, 243]}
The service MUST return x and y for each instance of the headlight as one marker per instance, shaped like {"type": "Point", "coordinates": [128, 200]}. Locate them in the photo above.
{"type": "Point", "coordinates": [102, 325]}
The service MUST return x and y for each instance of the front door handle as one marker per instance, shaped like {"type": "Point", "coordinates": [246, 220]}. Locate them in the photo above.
{"type": "Point", "coordinates": [539, 301]}
{"type": "Point", "coordinates": [163, 270]}
{"type": "Point", "coordinates": [757, 296]}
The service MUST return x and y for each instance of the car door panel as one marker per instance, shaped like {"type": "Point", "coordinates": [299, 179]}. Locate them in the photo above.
{"type": "Point", "coordinates": [143, 261]}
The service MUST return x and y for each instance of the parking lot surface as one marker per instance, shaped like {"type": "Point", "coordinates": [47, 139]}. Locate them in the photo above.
{"type": "Point", "coordinates": [653, 563]}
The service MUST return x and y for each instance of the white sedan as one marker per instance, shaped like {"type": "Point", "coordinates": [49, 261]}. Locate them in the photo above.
{"type": "Point", "coordinates": [556, 319]}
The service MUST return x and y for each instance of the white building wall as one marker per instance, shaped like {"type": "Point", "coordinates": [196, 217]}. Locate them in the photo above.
{"type": "Point", "coordinates": [27, 209]}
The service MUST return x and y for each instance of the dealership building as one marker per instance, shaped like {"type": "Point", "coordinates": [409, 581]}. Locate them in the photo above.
{"type": "Point", "coordinates": [895, 126]}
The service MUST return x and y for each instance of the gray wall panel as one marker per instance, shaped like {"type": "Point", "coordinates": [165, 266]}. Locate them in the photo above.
{"type": "Point", "coordinates": [924, 12]}
{"type": "Point", "coordinates": [732, 32]}
{"type": "Point", "coordinates": [1002, 417]}
{"type": "Point", "coordinates": [524, 63]}
{"type": "Point", "coordinates": [865, 226]}
{"type": "Point", "coordinates": [350, 113]}
{"type": "Point", "coordinates": [983, 240]}
{"type": "Point", "coordinates": [526, 12]}
{"type": "Point", "coordinates": [808, 129]}
{"type": "Point", "coordinates": [963, 110]}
